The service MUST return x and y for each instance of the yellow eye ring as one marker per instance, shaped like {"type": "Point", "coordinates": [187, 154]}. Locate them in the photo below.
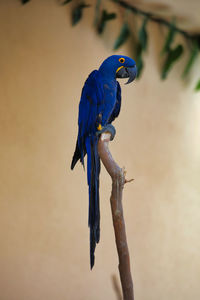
{"type": "Point", "coordinates": [122, 60]}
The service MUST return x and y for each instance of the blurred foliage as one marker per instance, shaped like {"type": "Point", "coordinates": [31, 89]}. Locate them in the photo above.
{"type": "Point", "coordinates": [105, 17]}
{"type": "Point", "coordinates": [141, 46]}
{"type": "Point", "coordinates": [97, 12]}
{"type": "Point", "coordinates": [197, 87]}
{"type": "Point", "coordinates": [143, 36]}
{"type": "Point", "coordinates": [193, 56]}
{"type": "Point", "coordinates": [77, 12]}
{"type": "Point", "coordinates": [66, 2]}
{"type": "Point", "coordinates": [169, 39]}
{"type": "Point", "coordinates": [123, 36]}
{"type": "Point", "coordinates": [24, 1]}
{"type": "Point", "coordinates": [139, 60]}
{"type": "Point", "coordinates": [171, 54]}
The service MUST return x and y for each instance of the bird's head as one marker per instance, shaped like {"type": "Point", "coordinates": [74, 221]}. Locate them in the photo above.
{"type": "Point", "coordinates": [119, 66]}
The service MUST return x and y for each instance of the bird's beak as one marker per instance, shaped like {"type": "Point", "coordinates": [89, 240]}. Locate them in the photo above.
{"type": "Point", "coordinates": [127, 72]}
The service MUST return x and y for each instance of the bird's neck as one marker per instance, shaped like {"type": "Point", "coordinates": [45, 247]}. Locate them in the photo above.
{"type": "Point", "coordinates": [107, 74]}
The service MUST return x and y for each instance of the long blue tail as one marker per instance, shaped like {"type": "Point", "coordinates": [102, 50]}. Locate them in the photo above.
{"type": "Point", "coordinates": [93, 170]}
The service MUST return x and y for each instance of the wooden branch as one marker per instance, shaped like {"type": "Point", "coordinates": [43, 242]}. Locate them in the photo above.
{"type": "Point", "coordinates": [118, 180]}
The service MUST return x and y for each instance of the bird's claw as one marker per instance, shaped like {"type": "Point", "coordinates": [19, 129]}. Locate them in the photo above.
{"type": "Point", "coordinates": [108, 128]}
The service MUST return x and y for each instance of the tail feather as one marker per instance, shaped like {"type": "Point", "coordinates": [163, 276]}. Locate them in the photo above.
{"type": "Point", "coordinates": [93, 170]}
{"type": "Point", "coordinates": [78, 155]}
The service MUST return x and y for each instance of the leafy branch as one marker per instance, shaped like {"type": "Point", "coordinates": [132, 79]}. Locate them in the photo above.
{"type": "Point", "coordinates": [157, 19]}
{"type": "Point", "coordinates": [171, 54]}
{"type": "Point", "coordinates": [105, 17]}
{"type": "Point", "coordinates": [24, 1]}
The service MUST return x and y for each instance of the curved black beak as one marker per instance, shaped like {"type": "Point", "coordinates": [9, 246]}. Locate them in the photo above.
{"type": "Point", "coordinates": [130, 73]}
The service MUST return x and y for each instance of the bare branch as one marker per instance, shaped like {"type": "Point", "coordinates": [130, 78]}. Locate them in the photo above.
{"type": "Point", "coordinates": [118, 180]}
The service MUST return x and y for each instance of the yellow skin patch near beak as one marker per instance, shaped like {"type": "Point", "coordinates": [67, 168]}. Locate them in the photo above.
{"type": "Point", "coordinates": [99, 127]}
{"type": "Point", "coordinates": [119, 68]}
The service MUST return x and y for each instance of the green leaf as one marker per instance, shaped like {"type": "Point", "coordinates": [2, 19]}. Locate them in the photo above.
{"type": "Point", "coordinates": [140, 66]}
{"type": "Point", "coordinates": [123, 36]}
{"type": "Point", "coordinates": [172, 57]}
{"type": "Point", "coordinates": [105, 17]}
{"type": "Point", "coordinates": [193, 55]}
{"type": "Point", "coordinates": [197, 87]}
{"type": "Point", "coordinates": [170, 38]}
{"type": "Point", "coordinates": [66, 2]}
{"type": "Point", "coordinates": [141, 47]}
{"type": "Point", "coordinates": [97, 12]}
{"type": "Point", "coordinates": [24, 1]}
{"type": "Point", "coordinates": [142, 35]}
{"type": "Point", "coordinates": [78, 12]}
{"type": "Point", "coordinates": [139, 60]}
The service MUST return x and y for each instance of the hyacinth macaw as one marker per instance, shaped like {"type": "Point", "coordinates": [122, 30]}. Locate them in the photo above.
{"type": "Point", "coordinates": [99, 105]}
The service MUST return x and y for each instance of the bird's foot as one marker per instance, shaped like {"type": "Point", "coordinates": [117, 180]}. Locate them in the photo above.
{"type": "Point", "coordinates": [108, 128]}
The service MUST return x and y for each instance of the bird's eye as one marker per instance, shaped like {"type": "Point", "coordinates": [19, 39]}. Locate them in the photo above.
{"type": "Point", "coordinates": [122, 60]}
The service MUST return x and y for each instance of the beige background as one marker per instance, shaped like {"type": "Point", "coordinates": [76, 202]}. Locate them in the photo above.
{"type": "Point", "coordinates": [44, 253]}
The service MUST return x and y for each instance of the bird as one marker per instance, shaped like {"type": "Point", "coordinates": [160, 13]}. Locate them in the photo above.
{"type": "Point", "coordinates": [100, 104]}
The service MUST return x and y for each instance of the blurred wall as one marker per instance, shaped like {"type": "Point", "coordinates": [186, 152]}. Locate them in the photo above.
{"type": "Point", "coordinates": [44, 253]}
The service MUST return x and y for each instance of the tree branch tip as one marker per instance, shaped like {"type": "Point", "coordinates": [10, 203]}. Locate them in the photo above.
{"type": "Point", "coordinates": [124, 174]}
{"type": "Point", "coordinates": [128, 180]}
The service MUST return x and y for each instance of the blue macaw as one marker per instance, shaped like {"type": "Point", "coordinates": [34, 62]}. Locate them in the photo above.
{"type": "Point", "coordinates": [100, 104]}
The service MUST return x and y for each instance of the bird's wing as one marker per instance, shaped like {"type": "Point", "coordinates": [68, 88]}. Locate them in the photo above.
{"type": "Point", "coordinates": [91, 98]}
{"type": "Point", "coordinates": [117, 107]}
{"type": "Point", "coordinates": [92, 95]}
